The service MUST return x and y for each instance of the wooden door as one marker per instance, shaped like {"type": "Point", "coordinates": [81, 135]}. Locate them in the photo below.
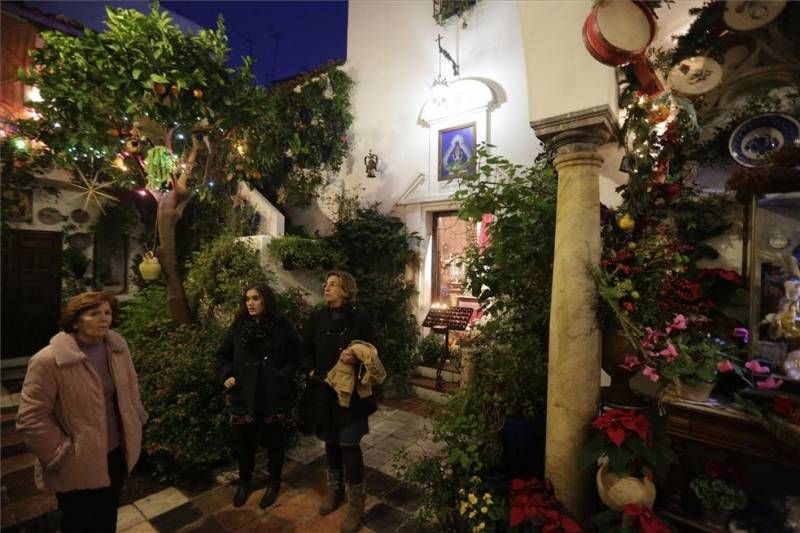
{"type": "Point", "coordinates": [31, 297]}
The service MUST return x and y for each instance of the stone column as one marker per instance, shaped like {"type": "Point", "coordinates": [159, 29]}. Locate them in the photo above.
{"type": "Point", "coordinates": [573, 387]}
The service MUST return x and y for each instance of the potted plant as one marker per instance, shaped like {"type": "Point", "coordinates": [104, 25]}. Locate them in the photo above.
{"type": "Point", "coordinates": [719, 491]}
{"type": "Point", "coordinates": [683, 353]}
{"type": "Point", "coordinates": [628, 448]}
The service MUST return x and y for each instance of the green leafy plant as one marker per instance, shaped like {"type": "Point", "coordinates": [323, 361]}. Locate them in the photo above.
{"type": "Point", "coordinates": [376, 250]}
{"type": "Point", "coordinates": [217, 275]}
{"type": "Point", "coordinates": [512, 278]}
{"type": "Point", "coordinates": [717, 494]}
{"type": "Point", "coordinates": [444, 10]}
{"type": "Point", "coordinates": [430, 349]}
{"type": "Point", "coordinates": [305, 253]}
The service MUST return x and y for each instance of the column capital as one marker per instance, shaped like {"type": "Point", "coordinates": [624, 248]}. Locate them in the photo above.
{"type": "Point", "coordinates": [577, 131]}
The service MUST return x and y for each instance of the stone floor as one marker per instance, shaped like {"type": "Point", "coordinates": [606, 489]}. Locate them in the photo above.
{"type": "Point", "coordinates": [398, 424]}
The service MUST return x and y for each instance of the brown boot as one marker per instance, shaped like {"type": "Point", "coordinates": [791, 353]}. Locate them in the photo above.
{"type": "Point", "coordinates": [334, 496]}
{"type": "Point", "coordinates": [356, 494]}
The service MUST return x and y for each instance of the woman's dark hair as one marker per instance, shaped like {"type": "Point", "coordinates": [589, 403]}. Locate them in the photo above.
{"type": "Point", "coordinates": [271, 310]}
{"type": "Point", "coordinates": [80, 303]}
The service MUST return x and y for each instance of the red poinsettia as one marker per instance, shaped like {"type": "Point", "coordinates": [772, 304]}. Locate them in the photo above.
{"type": "Point", "coordinates": [643, 518]}
{"type": "Point", "coordinates": [533, 502]}
{"type": "Point", "coordinates": [619, 424]}
{"type": "Point", "coordinates": [727, 275]}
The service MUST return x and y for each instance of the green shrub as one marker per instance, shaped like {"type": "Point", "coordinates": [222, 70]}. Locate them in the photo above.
{"type": "Point", "coordinates": [306, 253]}
{"type": "Point", "coordinates": [430, 348]}
{"type": "Point", "coordinates": [217, 276]}
{"type": "Point", "coordinates": [187, 434]}
{"type": "Point", "coordinates": [377, 249]}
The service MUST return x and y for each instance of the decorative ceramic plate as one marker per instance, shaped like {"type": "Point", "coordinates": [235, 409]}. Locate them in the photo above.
{"type": "Point", "coordinates": [80, 241]}
{"type": "Point", "coordinates": [79, 215]}
{"type": "Point", "coordinates": [50, 216]}
{"type": "Point", "coordinates": [695, 75]}
{"type": "Point", "coordinates": [754, 140]}
{"type": "Point", "coordinates": [746, 15]}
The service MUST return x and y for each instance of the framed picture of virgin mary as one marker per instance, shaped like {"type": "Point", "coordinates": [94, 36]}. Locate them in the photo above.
{"type": "Point", "coordinates": [456, 150]}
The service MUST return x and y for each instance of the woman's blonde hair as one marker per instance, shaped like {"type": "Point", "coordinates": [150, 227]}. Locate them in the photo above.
{"type": "Point", "coordinates": [349, 285]}
{"type": "Point", "coordinates": [79, 304]}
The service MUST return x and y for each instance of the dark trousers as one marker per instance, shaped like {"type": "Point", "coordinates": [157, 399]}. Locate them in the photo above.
{"type": "Point", "coordinates": [248, 438]}
{"type": "Point", "coordinates": [94, 510]}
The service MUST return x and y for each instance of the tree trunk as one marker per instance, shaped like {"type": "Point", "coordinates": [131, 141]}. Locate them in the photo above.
{"type": "Point", "coordinates": [170, 211]}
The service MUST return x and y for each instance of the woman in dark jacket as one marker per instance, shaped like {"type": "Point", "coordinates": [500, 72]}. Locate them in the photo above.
{"type": "Point", "coordinates": [256, 363]}
{"type": "Point", "coordinates": [327, 336]}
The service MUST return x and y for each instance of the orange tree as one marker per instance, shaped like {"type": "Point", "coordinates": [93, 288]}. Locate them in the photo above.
{"type": "Point", "coordinates": [144, 105]}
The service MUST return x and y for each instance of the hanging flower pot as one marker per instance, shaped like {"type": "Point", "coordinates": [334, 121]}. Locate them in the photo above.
{"type": "Point", "coordinates": [150, 268]}
{"type": "Point", "coordinates": [618, 491]}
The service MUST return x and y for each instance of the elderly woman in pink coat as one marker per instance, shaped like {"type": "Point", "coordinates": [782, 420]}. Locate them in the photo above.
{"type": "Point", "coordinates": [81, 415]}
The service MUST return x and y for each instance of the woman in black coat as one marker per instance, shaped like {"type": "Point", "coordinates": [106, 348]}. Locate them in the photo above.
{"type": "Point", "coordinates": [256, 364]}
{"type": "Point", "coordinates": [328, 334]}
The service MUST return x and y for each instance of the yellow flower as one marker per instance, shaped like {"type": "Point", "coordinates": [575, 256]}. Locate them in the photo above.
{"type": "Point", "coordinates": [472, 498]}
{"type": "Point", "coordinates": [462, 508]}
{"type": "Point", "coordinates": [471, 514]}
{"type": "Point", "coordinates": [479, 527]}
{"type": "Point", "coordinates": [461, 491]}
{"type": "Point", "coordinates": [484, 509]}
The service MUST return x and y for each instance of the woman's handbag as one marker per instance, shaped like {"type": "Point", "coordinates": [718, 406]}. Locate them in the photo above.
{"type": "Point", "coordinates": [311, 407]}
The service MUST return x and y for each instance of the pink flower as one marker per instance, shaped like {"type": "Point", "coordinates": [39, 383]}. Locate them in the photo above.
{"type": "Point", "coordinates": [756, 368]}
{"type": "Point", "coordinates": [679, 323]}
{"type": "Point", "coordinates": [631, 362]}
{"type": "Point", "coordinates": [769, 383]}
{"type": "Point", "coordinates": [651, 373]}
{"type": "Point", "coordinates": [725, 366]}
{"type": "Point", "coordinates": [742, 333]}
{"type": "Point", "coordinates": [669, 352]}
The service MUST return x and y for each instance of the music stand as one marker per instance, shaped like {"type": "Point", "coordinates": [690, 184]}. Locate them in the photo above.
{"type": "Point", "coordinates": [441, 321]}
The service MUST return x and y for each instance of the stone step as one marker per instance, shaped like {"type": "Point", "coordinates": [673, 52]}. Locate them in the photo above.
{"type": "Point", "coordinates": [27, 509]}
{"type": "Point", "coordinates": [12, 444]}
{"type": "Point", "coordinates": [425, 388]}
{"type": "Point", "coordinates": [425, 371]}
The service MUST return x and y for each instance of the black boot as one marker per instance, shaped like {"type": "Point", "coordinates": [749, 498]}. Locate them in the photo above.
{"type": "Point", "coordinates": [240, 498]}
{"type": "Point", "coordinates": [270, 493]}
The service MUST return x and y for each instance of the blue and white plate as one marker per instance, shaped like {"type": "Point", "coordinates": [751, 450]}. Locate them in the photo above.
{"type": "Point", "coordinates": [756, 139]}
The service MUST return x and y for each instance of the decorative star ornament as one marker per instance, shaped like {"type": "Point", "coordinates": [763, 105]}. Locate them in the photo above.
{"type": "Point", "coordinates": [92, 190]}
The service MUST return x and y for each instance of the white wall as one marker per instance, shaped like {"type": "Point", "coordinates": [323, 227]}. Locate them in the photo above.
{"type": "Point", "coordinates": [392, 58]}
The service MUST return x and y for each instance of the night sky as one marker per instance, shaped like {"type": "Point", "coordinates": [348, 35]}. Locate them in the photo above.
{"type": "Point", "coordinates": [284, 37]}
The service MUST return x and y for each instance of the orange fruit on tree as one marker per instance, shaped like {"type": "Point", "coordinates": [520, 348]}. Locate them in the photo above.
{"type": "Point", "coordinates": [198, 93]}
{"type": "Point", "coordinates": [159, 88]}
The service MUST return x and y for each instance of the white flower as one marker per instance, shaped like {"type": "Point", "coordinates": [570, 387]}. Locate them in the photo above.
{"type": "Point", "coordinates": [298, 89]}
{"type": "Point", "coordinates": [288, 153]}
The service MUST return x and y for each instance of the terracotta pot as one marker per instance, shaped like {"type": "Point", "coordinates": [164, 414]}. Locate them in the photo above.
{"type": "Point", "coordinates": [615, 348]}
{"type": "Point", "coordinates": [150, 268]}
{"type": "Point", "coordinates": [696, 392]}
{"type": "Point", "coordinates": [616, 492]}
